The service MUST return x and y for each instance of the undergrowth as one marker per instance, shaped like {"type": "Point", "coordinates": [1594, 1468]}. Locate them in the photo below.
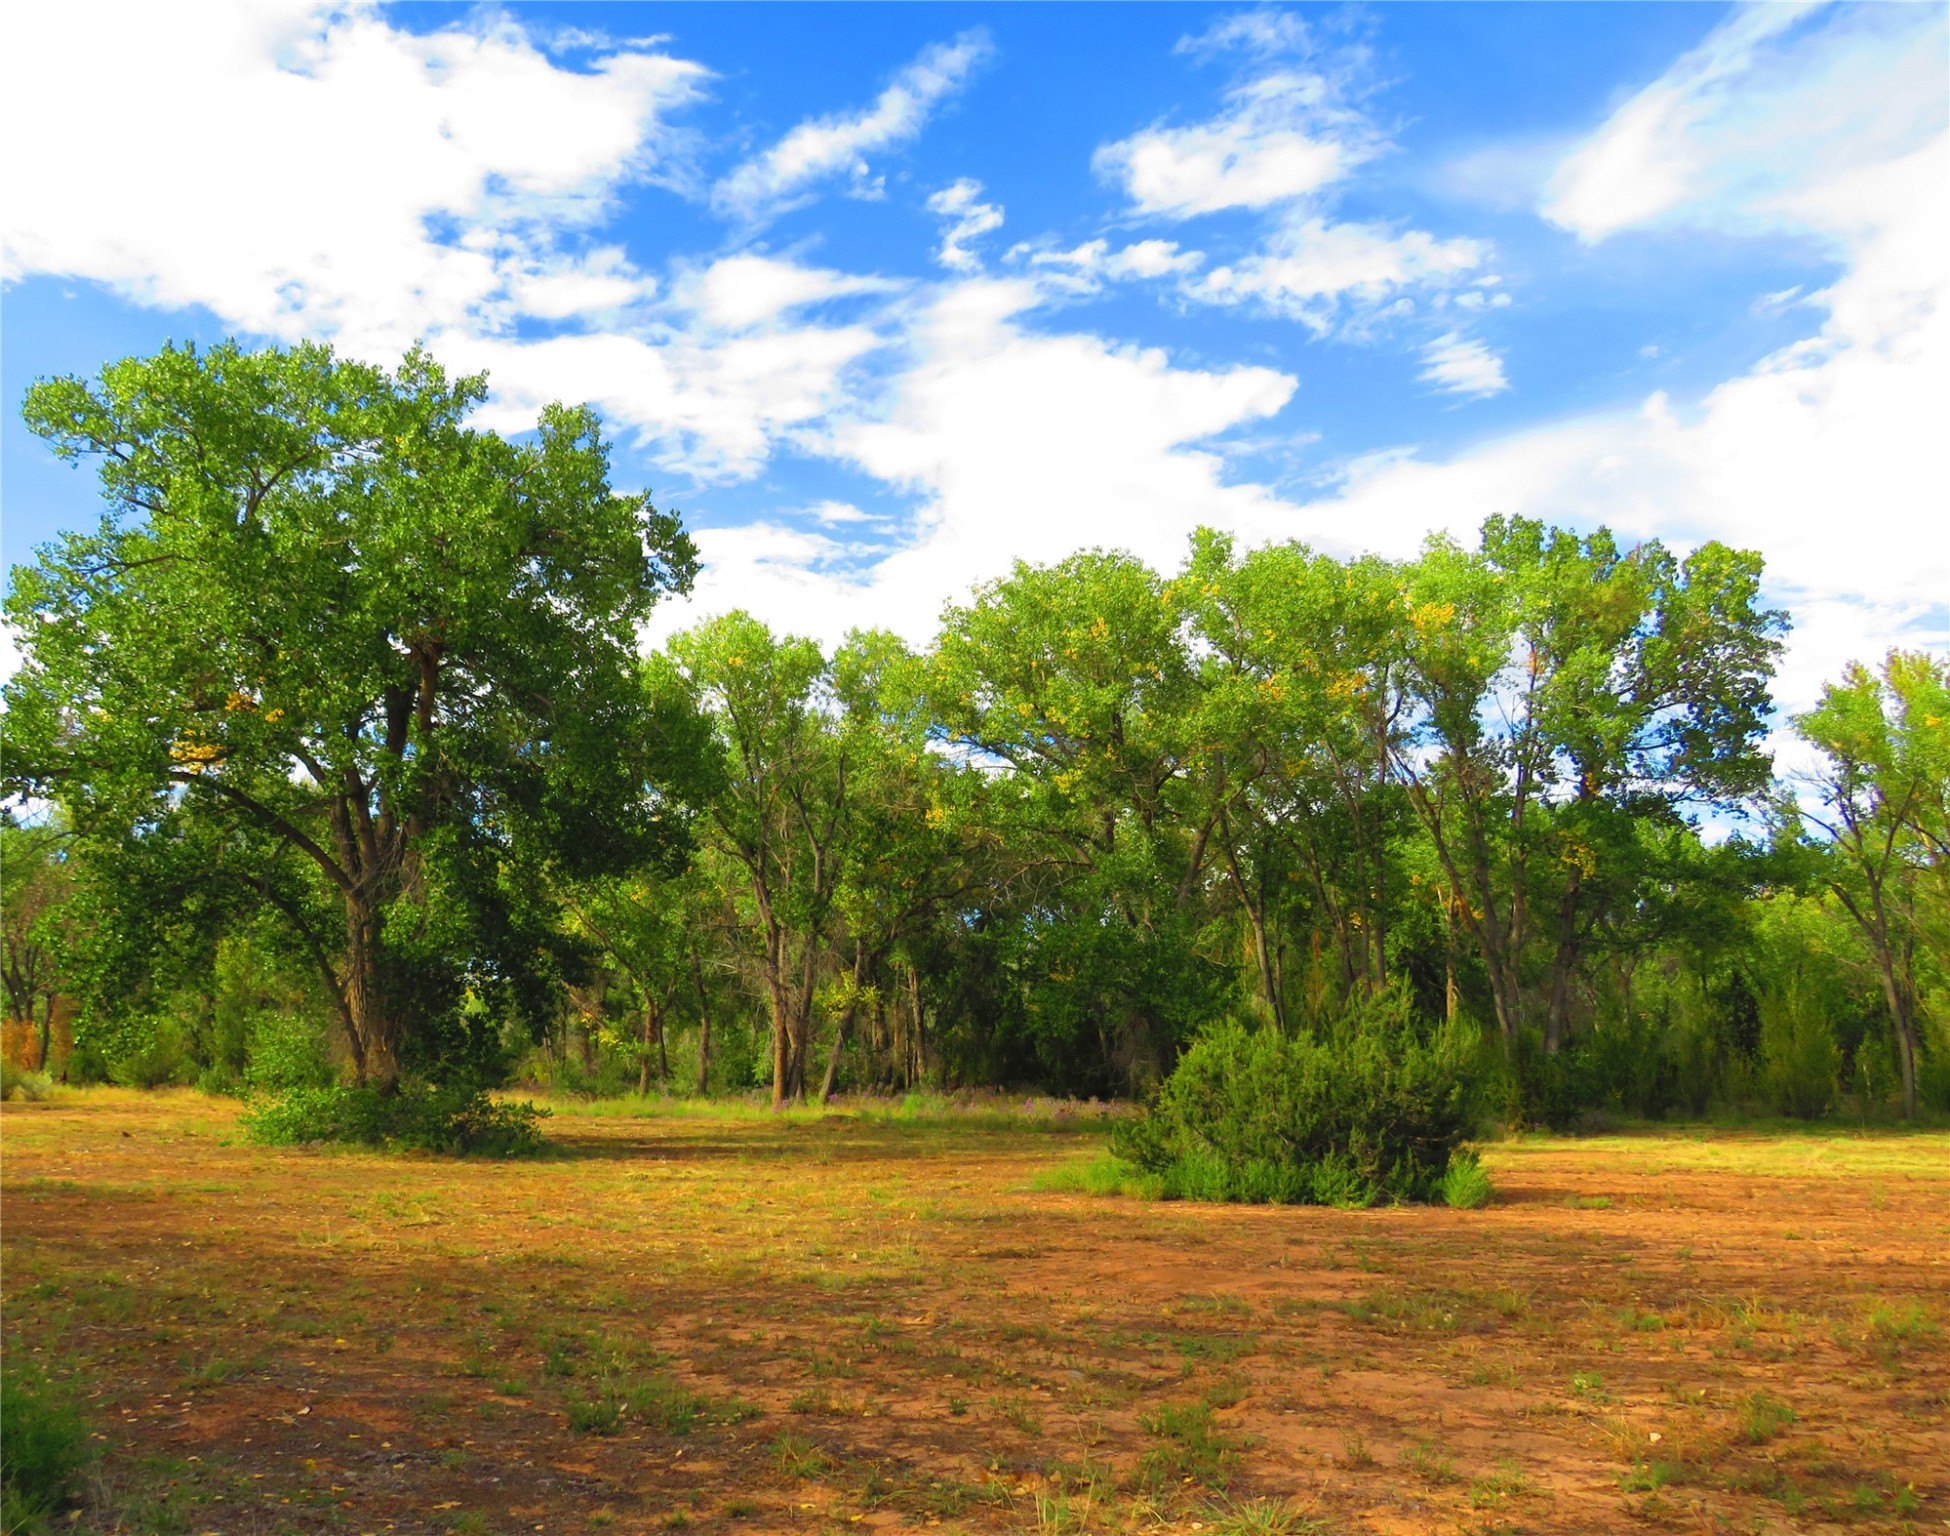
{"type": "Point", "coordinates": [418, 1116]}
{"type": "Point", "coordinates": [1370, 1110]}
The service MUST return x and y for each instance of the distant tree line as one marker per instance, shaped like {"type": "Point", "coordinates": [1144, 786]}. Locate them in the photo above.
{"type": "Point", "coordinates": [333, 752]}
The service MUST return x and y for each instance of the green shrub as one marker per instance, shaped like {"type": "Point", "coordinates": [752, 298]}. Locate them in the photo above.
{"type": "Point", "coordinates": [1933, 1083]}
{"type": "Point", "coordinates": [419, 1116]}
{"type": "Point", "coordinates": [1372, 1110]}
{"type": "Point", "coordinates": [288, 1051]}
{"type": "Point", "coordinates": [1466, 1184]}
{"type": "Point", "coordinates": [152, 1058]}
{"type": "Point", "coordinates": [43, 1448]}
{"type": "Point", "coordinates": [1800, 1064]}
{"type": "Point", "coordinates": [18, 1083]}
{"type": "Point", "coordinates": [1548, 1092]}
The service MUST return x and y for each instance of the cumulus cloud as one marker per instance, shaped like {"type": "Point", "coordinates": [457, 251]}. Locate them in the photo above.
{"type": "Point", "coordinates": [395, 186]}
{"type": "Point", "coordinates": [1290, 133]}
{"type": "Point", "coordinates": [307, 169]}
{"type": "Point", "coordinates": [1312, 269]}
{"type": "Point", "coordinates": [1828, 456]}
{"type": "Point", "coordinates": [971, 218]}
{"type": "Point", "coordinates": [1015, 445]}
{"type": "Point", "coordinates": [817, 151]}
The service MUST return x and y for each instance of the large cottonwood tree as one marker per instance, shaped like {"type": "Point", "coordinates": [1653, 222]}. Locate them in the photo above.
{"type": "Point", "coordinates": [324, 624]}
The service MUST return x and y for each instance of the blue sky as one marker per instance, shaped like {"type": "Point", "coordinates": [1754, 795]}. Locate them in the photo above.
{"type": "Point", "coordinates": [886, 297]}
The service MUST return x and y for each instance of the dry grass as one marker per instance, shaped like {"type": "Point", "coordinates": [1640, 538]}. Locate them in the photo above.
{"type": "Point", "coordinates": [730, 1322]}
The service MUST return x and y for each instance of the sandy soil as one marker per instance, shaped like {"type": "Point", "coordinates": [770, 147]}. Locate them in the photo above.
{"type": "Point", "coordinates": [856, 1322]}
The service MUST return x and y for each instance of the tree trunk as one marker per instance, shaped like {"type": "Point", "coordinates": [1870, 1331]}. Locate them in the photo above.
{"type": "Point", "coordinates": [47, 1029]}
{"type": "Point", "coordinates": [1901, 1016]}
{"type": "Point", "coordinates": [1450, 995]}
{"type": "Point", "coordinates": [914, 1043]}
{"type": "Point", "coordinates": [830, 1085]}
{"type": "Point", "coordinates": [652, 1036]}
{"type": "Point", "coordinates": [1563, 963]}
{"type": "Point", "coordinates": [704, 1023]}
{"type": "Point", "coordinates": [373, 1027]}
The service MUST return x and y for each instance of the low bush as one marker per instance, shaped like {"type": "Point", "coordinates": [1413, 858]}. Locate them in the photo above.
{"type": "Point", "coordinates": [1799, 1062]}
{"type": "Point", "coordinates": [1466, 1183]}
{"type": "Point", "coordinates": [419, 1116]}
{"type": "Point", "coordinates": [1371, 1110]}
{"type": "Point", "coordinates": [43, 1448]}
{"type": "Point", "coordinates": [18, 1083]}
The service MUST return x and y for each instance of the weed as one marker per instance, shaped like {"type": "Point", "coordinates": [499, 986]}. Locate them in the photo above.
{"type": "Point", "coordinates": [212, 1371]}
{"type": "Point", "coordinates": [1018, 1413]}
{"type": "Point", "coordinates": [1492, 1488]}
{"type": "Point", "coordinates": [1764, 1416]}
{"type": "Point", "coordinates": [1103, 1174]}
{"type": "Point", "coordinates": [1057, 1514]}
{"type": "Point", "coordinates": [594, 1415]}
{"type": "Point", "coordinates": [1195, 1449]}
{"type": "Point", "coordinates": [1260, 1517]}
{"type": "Point", "coordinates": [1226, 1392]}
{"type": "Point", "coordinates": [1426, 1460]}
{"type": "Point", "coordinates": [957, 1406]}
{"type": "Point", "coordinates": [796, 1456]}
{"type": "Point", "coordinates": [1354, 1450]}
{"type": "Point", "coordinates": [1465, 1183]}
{"type": "Point", "coordinates": [44, 1450]}
{"type": "Point", "coordinates": [1218, 1348]}
{"type": "Point", "coordinates": [1893, 1327]}
{"type": "Point", "coordinates": [1650, 1476]}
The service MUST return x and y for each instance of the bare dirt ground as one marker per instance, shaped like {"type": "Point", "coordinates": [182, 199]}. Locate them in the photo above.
{"type": "Point", "coordinates": [738, 1324]}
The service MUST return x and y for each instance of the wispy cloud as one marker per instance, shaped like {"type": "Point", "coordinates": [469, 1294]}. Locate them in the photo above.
{"type": "Point", "coordinates": [1290, 134]}
{"type": "Point", "coordinates": [1776, 96]}
{"type": "Point", "coordinates": [828, 147]}
{"type": "Point", "coordinates": [971, 218]}
{"type": "Point", "coordinates": [1458, 366]}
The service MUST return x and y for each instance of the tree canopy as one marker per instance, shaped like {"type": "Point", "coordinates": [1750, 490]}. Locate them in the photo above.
{"type": "Point", "coordinates": [344, 689]}
{"type": "Point", "coordinates": [333, 645]}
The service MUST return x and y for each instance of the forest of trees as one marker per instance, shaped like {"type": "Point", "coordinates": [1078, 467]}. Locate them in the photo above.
{"type": "Point", "coordinates": [334, 754]}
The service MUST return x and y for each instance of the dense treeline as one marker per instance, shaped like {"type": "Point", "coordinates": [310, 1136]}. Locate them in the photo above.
{"type": "Point", "coordinates": [337, 755]}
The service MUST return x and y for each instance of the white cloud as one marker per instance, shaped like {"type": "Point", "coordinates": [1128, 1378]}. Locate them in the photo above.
{"type": "Point", "coordinates": [745, 290]}
{"type": "Point", "coordinates": [1084, 268]}
{"type": "Point", "coordinates": [396, 186]}
{"type": "Point", "coordinates": [826, 147]}
{"type": "Point", "coordinates": [1243, 160]}
{"type": "Point", "coordinates": [1019, 446]}
{"type": "Point", "coordinates": [288, 165]}
{"type": "Point", "coordinates": [973, 218]}
{"type": "Point", "coordinates": [1286, 139]}
{"type": "Point", "coordinates": [1776, 97]}
{"type": "Point", "coordinates": [1829, 457]}
{"type": "Point", "coordinates": [709, 403]}
{"type": "Point", "coordinates": [1309, 269]}
{"type": "Point", "coordinates": [1456, 365]}
{"type": "Point", "coordinates": [1282, 135]}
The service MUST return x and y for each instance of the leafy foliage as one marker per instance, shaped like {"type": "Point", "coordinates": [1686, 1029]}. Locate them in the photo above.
{"type": "Point", "coordinates": [417, 1116]}
{"type": "Point", "coordinates": [1372, 1110]}
{"type": "Point", "coordinates": [44, 1450]}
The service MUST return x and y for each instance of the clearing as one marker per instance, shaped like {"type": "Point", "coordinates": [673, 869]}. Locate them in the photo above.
{"type": "Point", "coordinates": [738, 1323]}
